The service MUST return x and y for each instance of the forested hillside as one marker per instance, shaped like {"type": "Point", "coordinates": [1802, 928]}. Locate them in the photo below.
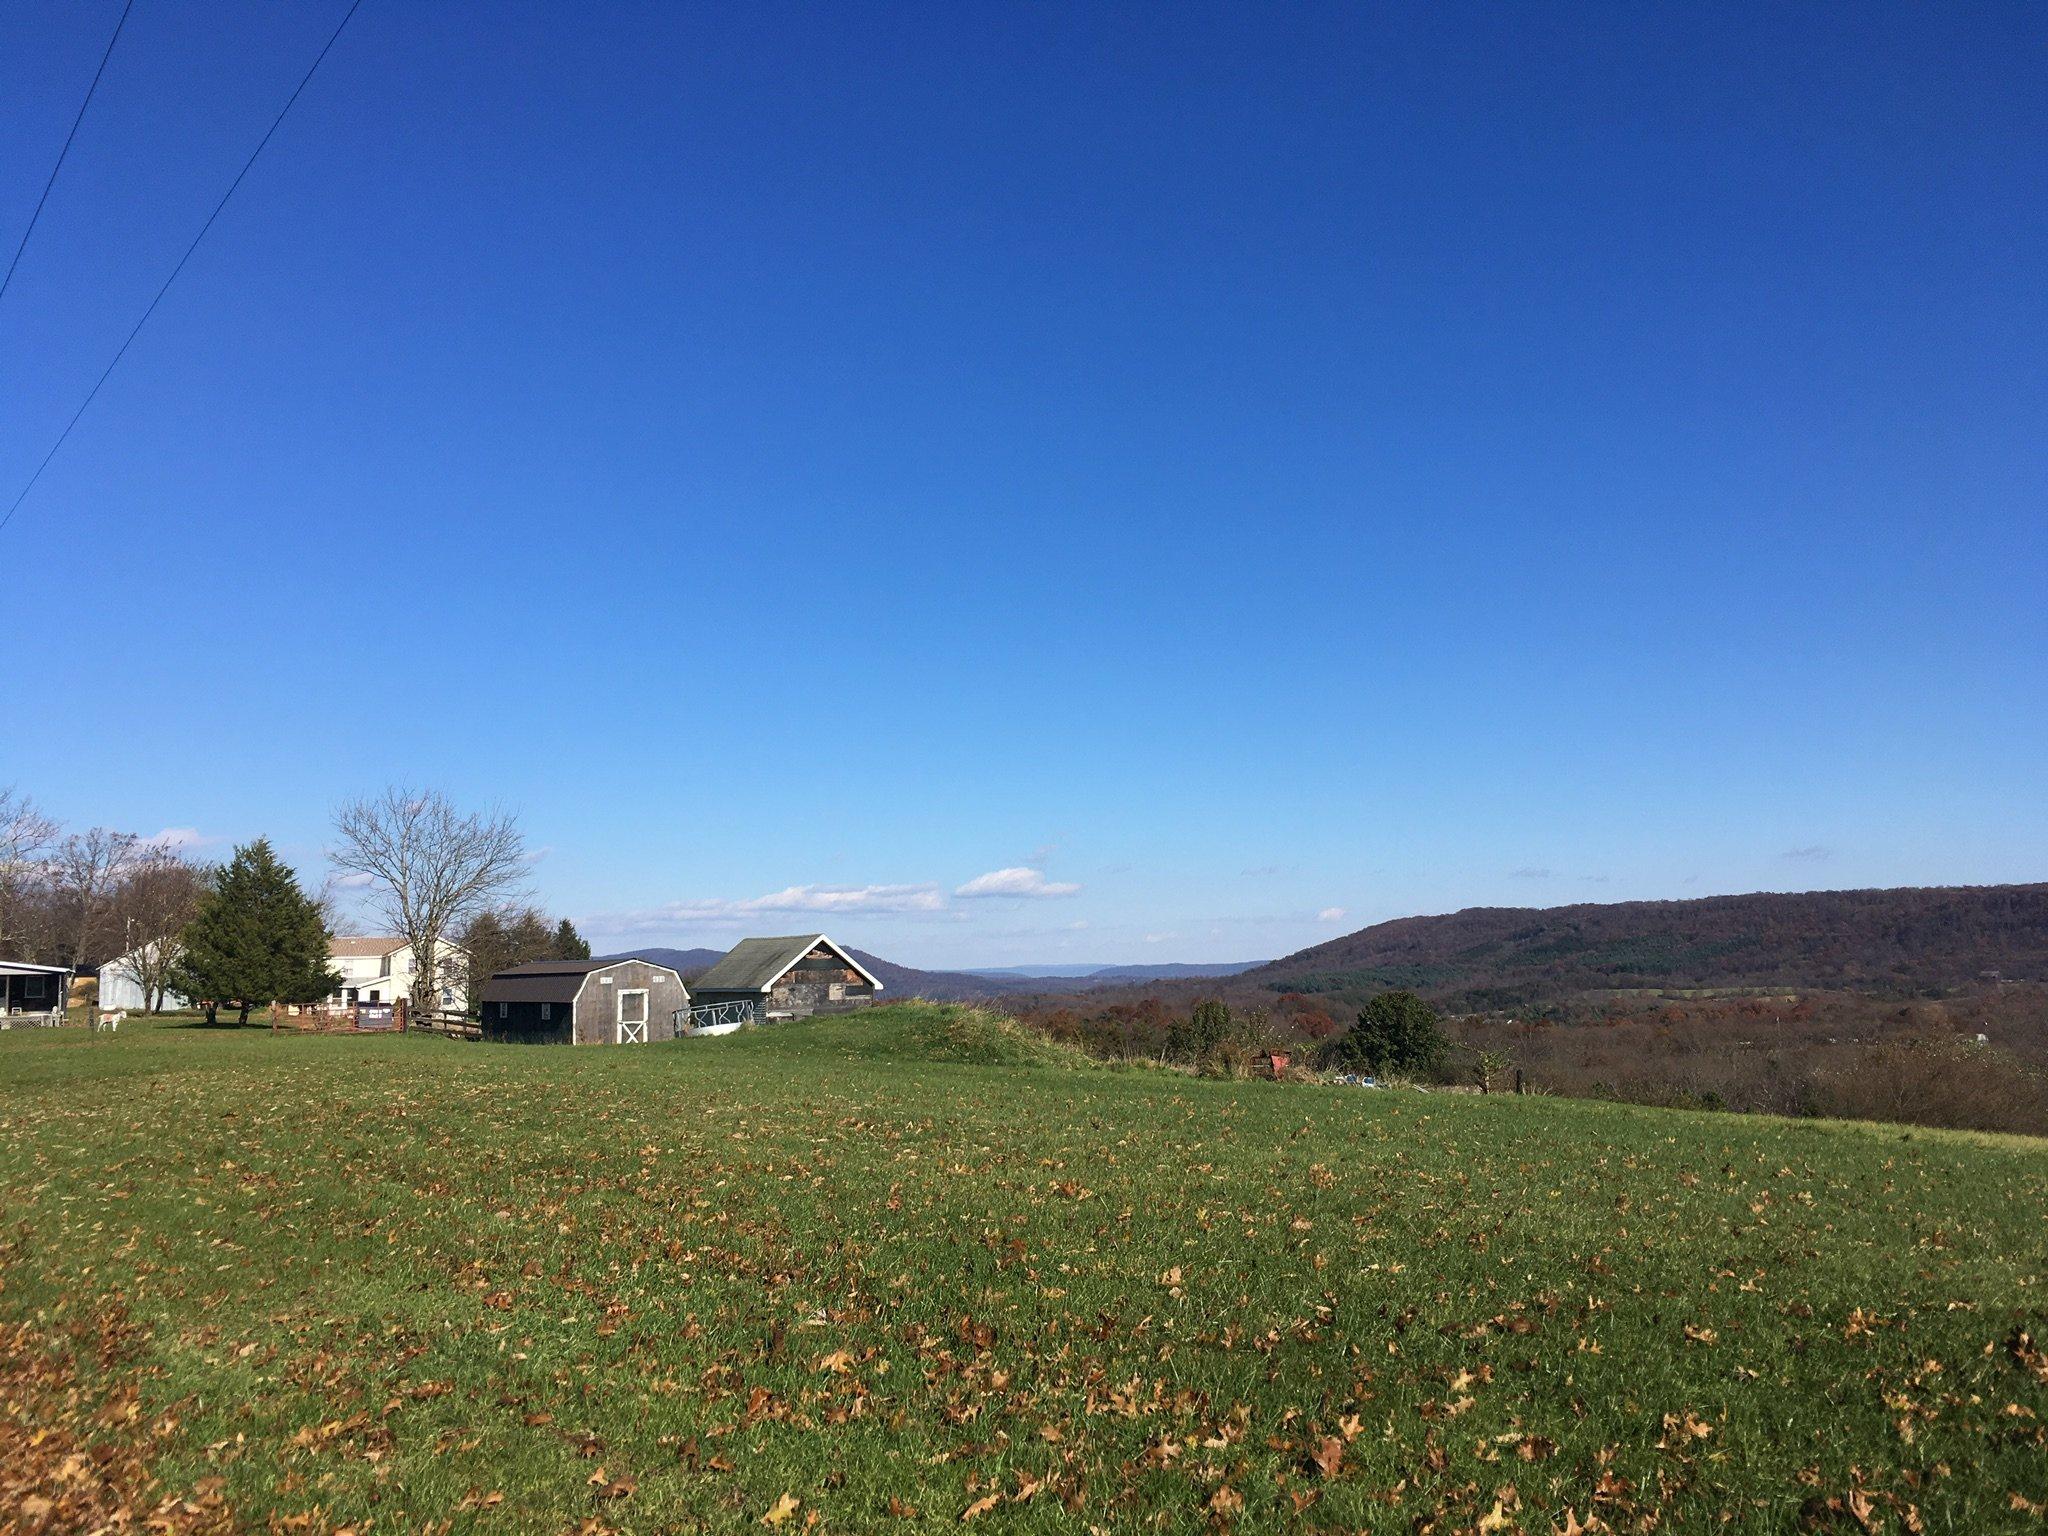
{"type": "Point", "coordinates": [1906, 940]}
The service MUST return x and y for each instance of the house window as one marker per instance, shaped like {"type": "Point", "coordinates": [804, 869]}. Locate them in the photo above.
{"type": "Point", "coordinates": [547, 1011]}
{"type": "Point", "coordinates": [31, 986]}
{"type": "Point", "coordinates": [504, 1009]}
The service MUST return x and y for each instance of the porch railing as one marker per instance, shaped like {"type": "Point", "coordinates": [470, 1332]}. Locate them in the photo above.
{"type": "Point", "coordinates": [47, 1019]}
{"type": "Point", "coordinates": [713, 1018]}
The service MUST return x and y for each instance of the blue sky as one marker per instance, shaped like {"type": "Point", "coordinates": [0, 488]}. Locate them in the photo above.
{"type": "Point", "coordinates": [1244, 471]}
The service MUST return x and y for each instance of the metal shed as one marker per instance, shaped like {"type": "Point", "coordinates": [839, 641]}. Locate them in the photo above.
{"type": "Point", "coordinates": [583, 1002]}
{"type": "Point", "coordinates": [787, 978]}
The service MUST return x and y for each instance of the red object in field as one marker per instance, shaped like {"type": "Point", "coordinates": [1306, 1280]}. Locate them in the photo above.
{"type": "Point", "coordinates": [1276, 1064]}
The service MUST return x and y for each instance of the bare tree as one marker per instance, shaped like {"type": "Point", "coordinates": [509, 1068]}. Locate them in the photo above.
{"type": "Point", "coordinates": [89, 868]}
{"type": "Point", "coordinates": [25, 838]}
{"type": "Point", "coordinates": [158, 896]}
{"type": "Point", "coordinates": [430, 868]}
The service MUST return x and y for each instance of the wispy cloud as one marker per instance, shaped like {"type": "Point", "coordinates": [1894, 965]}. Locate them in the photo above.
{"type": "Point", "coordinates": [1530, 872]}
{"type": "Point", "coordinates": [714, 911]}
{"type": "Point", "coordinates": [1019, 880]}
{"type": "Point", "coordinates": [848, 898]}
{"type": "Point", "coordinates": [1813, 853]}
{"type": "Point", "coordinates": [1331, 915]}
{"type": "Point", "coordinates": [180, 839]}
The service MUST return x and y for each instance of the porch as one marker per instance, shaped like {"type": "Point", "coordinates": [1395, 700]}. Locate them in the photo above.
{"type": "Point", "coordinates": [32, 996]}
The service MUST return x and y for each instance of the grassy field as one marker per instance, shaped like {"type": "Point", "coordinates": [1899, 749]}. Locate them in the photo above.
{"type": "Point", "coordinates": [907, 1270]}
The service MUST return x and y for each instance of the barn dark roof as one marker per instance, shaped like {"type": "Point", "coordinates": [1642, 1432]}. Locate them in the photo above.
{"type": "Point", "coordinates": [755, 965]}
{"type": "Point", "coordinates": [553, 968]}
{"type": "Point", "coordinates": [547, 981]}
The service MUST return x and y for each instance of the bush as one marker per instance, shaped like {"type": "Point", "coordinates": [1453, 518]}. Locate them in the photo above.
{"type": "Point", "coordinates": [1396, 1032]}
{"type": "Point", "coordinates": [1942, 1081]}
{"type": "Point", "coordinates": [1196, 1037]}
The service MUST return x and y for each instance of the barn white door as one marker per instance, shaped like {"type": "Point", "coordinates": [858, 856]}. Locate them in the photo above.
{"type": "Point", "coordinates": [633, 1018]}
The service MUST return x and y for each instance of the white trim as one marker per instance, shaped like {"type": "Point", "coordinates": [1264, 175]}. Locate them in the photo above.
{"type": "Point", "coordinates": [812, 943]}
{"type": "Point", "coordinates": [576, 1002]}
{"type": "Point", "coordinates": [619, 1035]}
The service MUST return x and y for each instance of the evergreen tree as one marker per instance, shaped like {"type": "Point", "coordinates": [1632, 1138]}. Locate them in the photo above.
{"type": "Point", "coordinates": [1207, 1026]}
{"type": "Point", "coordinates": [502, 937]}
{"type": "Point", "coordinates": [1395, 1032]}
{"type": "Point", "coordinates": [257, 939]}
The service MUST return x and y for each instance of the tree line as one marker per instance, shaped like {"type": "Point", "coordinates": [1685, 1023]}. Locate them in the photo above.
{"type": "Point", "coordinates": [246, 932]}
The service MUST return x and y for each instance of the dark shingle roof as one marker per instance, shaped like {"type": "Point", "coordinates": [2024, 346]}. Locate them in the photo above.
{"type": "Point", "coordinates": [545, 987]}
{"type": "Point", "coordinates": [547, 981]}
{"type": "Point", "coordinates": [754, 965]}
{"type": "Point", "coordinates": [553, 968]}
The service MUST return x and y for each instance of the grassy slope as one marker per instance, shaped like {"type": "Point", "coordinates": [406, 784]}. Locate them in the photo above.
{"type": "Point", "coordinates": [905, 1263]}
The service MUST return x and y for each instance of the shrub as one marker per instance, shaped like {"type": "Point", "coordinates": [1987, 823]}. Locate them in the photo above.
{"type": "Point", "coordinates": [1395, 1032]}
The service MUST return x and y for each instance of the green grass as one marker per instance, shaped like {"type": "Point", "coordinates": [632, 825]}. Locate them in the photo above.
{"type": "Point", "coordinates": [913, 1260]}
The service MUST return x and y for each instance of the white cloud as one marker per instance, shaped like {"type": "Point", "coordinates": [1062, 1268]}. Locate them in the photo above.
{"type": "Point", "coordinates": [847, 898]}
{"type": "Point", "coordinates": [179, 839]}
{"type": "Point", "coordinates": [795, 898]}
{"type": "Point", "coordinates": [1331, 915]}
{"type": "Point", "coordinates": [1019, 880]}
{"type": "Point", "coordinates": [355, 881]}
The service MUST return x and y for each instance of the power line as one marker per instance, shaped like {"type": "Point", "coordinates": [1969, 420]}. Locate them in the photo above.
{"type": "Point", "coordinates": [66, 150]}
{"type": "Point", "coordinates": [92, 393]}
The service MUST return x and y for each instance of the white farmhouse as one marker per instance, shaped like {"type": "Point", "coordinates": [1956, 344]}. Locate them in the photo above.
{"type": "Point", "coordinates": [378, 969]}
{"type": "Point", "coordinates": [373, 970]}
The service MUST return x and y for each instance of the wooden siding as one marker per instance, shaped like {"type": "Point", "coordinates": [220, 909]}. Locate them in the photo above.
{"type": "Point", "coordinates": [597, 1005]}
{"type": "Point", "coordinates": [821, 982]}
{"type": "Point", "coordinates": [522, 1024]}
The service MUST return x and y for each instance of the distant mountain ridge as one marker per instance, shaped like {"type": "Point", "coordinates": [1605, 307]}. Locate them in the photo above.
{"type": "Point", "coordinates": [960, 986]}
{"type": "Point", "coordinates": [1091, 974]}
{"type": "Point", "coordinates": [896, 980]}
{"type": "Point", "coordinates": [1904, 939]}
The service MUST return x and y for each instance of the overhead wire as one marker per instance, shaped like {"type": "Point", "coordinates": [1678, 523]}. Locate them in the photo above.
{"type": "Point", "coordinates": [65, 152]}
{"type": "Point", "coordinates": [122, 351]}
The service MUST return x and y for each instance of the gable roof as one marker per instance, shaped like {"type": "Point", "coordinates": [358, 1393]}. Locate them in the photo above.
{"type": "Point", "coordinates": [374, 946]}
{"type": "Point", "coordinates": [755, 965]}
{"type": "Point", "coordinates": [549, 981]}
{"type": "Point", "coordinates": [362, 948]}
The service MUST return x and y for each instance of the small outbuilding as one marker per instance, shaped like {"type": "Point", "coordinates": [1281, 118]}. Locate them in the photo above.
{"type": "Point", "coordinates": [583, 1002]}
{"type": "Point", "coordinates": [788, 978]}
{"type": "Point", "coordinates": [32, 995]}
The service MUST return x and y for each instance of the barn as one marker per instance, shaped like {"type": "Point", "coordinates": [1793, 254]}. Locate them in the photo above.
{"type": "Point", "coordinates": [787, 978]}
{"type": "Point", "coordinates": [583, 1002]}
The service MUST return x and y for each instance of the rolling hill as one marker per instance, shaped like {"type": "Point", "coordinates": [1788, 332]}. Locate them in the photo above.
{"type": "Point", "coordinates": [1061, 978]}
{"type": "Point", "coordinates": [1905, 940]}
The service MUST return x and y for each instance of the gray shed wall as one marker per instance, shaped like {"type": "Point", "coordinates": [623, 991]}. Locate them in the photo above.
{"type": "Point", "coordinates": [597, 1006]}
